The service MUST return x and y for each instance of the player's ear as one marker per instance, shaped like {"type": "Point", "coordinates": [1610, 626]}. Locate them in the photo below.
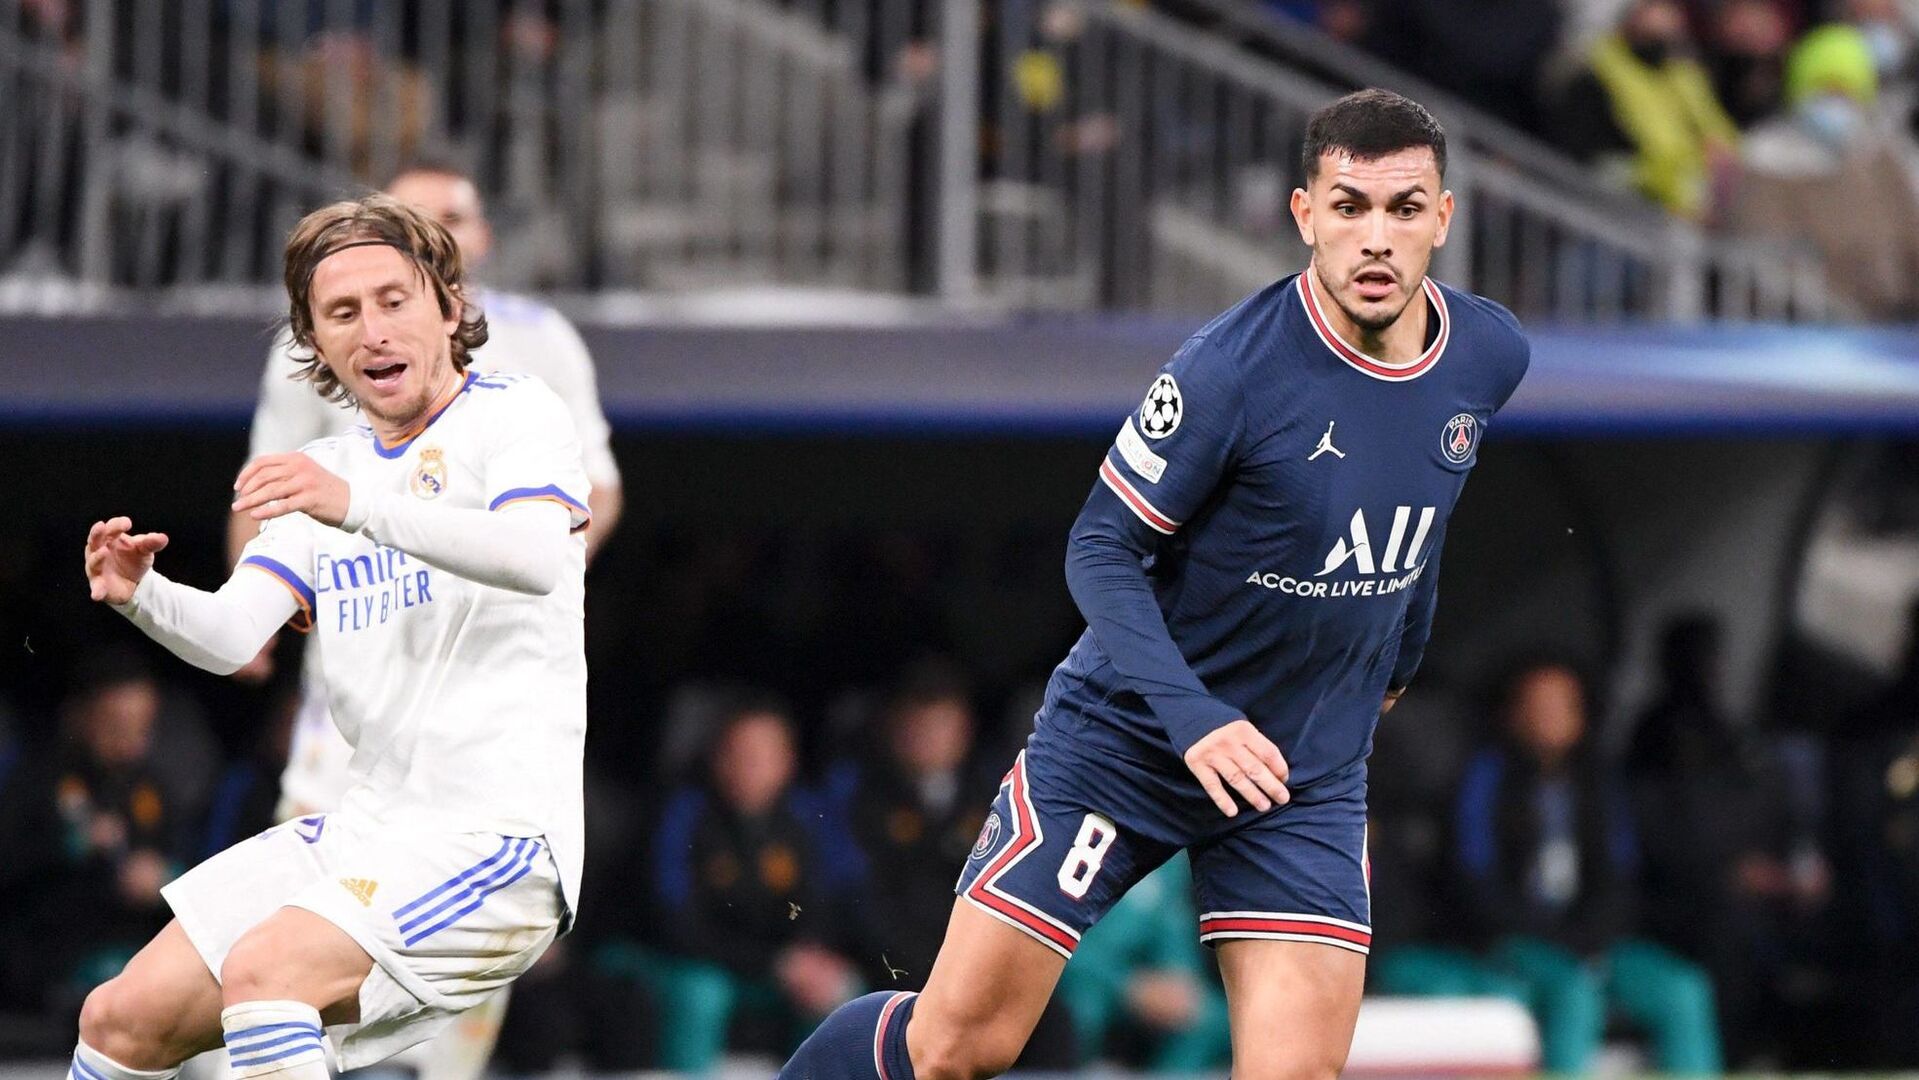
{"type": "Point", "coordinates": [456, 308]}
{"type": "Point", "coordinates": [1445, 218]}
{"type": "Point", "coordinates": [1302, 205]}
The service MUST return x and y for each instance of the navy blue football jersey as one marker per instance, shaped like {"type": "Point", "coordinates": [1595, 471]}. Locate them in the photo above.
{"type": "Point", "coordinates": [1264, 537]}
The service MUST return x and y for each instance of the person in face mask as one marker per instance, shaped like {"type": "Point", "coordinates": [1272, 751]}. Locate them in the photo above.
{"type": "Point", "coordinates": [1748, 60]}
{"type": "Point", "coordinates": [1645, 110]}
{"type": "Point", "coordinates": [1826, 148]}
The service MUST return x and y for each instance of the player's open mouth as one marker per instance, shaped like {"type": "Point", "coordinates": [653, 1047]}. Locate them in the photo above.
{"type": "Point", "coordinates": [386, 376]}
{"type": "Point", "coordinates": [1374, 284]}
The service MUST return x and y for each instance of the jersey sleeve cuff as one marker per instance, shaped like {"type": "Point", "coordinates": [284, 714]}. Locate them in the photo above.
{"type": "Point", "coordinates": [302, 620]}
{"type": "Point", "coordinates": [1195, 718]}
{"type": "Point", "coordinates": [582, 516]}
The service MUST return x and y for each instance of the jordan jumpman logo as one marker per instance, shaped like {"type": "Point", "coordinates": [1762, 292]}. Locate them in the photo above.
{"type": "Point", "coordinates": [1326, 444]}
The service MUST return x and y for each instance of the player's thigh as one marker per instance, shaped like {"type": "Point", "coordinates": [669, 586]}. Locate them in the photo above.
{"type": "Point", "coordinates": [296, 955]}
{"type": "Point", "coordinates": [1056, 852]}
{"type": "Point", "coordinates": [1293, 1005]}
{"type": "Point", "coordinates": [1284, 898]}
{"type": "Point", "coordinates": [983, 998]}
{"type": "Point", "coordinates": [162, 1008]}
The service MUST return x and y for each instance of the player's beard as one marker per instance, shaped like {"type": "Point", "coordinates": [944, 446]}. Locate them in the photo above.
{"type": "Point", "coordinates": [1368, 324]}
{"type": "Point", "coordinates": [413, 409]}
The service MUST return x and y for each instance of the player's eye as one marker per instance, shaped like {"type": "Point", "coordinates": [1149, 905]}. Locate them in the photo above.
{"type": "Point", "coordinates": [1409, 210]}
{"type": "Point", "coordinates": [1346, 210]}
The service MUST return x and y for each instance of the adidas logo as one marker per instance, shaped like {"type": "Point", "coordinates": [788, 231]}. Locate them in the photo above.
{"type": "Point", "coordinates": [361, 888]}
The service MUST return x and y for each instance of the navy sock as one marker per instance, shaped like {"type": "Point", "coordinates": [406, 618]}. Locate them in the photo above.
{"type": "Point", "coordinates": [864, 1039]}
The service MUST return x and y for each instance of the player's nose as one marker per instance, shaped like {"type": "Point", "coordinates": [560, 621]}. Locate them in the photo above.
{"type": "Point", "coordinates": [1379, 242]}
{"type": "Point", "coordinates": [375, 326]}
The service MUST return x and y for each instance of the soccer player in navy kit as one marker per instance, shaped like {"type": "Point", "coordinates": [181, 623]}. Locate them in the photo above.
{"type": "Point", "coordinates": [1257, 565]}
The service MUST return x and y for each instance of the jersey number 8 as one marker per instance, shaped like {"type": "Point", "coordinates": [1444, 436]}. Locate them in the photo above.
{"type": "Point", "coordinates": [1076, 874]}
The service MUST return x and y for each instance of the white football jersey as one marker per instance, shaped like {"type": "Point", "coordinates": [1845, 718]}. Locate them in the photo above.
{"type": "Point", "coordinates": [523, 335]}
{"type": "Point", "coordinates": [465, 705]}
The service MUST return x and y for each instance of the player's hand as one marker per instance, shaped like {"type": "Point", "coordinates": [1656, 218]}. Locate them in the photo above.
{"type": "Point", "coordinates": [1392, 699]}
{"type": "Point", "coordinates": [1239, 758]}
{"type": "Point", "coordinates": [280, 484]}
{"type": "Point", "coordinates": [117, 560]}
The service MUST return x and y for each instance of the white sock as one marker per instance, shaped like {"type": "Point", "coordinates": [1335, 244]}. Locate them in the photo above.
{"type": "Point", "coordinates": [91, 1064]}
{"type": "Point", "coordinates": [277, 1038]}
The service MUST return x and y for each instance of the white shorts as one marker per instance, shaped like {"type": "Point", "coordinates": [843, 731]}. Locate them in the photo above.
{"type": "Point", "coordinates": [448, 918]}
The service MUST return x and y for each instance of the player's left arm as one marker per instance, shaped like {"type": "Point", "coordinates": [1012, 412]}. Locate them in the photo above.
{"type": "Point", "coordinates": [574, 380]}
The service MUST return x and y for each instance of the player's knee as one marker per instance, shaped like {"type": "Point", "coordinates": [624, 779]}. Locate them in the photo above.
{"type": "Point", "coordinates": [252, 970]}
{"type": "Point", "coordinates": [947, 1051]}
{"type": "Point", "coordinates": [124, 1024]}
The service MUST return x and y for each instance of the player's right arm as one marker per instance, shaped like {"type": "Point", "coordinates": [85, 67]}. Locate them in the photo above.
{"type": "Point", "coordinates": [1155, 476]}
{"type": "Point", "coordinates": [217, 631]}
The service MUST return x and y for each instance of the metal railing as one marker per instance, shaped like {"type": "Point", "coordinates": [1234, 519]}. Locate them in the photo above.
{"type": "Point", "coordinates": [658, 144]}
{"type": "Point", "coordinates": [1025, 154]}
{"type": "Point", "coordinates": [1138, 162]}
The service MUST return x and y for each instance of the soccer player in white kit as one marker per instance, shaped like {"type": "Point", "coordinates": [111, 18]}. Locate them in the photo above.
{"type": "Point", "coordinates": [436, 553]}
{"type": "Point", "coordinates": [523, 335]}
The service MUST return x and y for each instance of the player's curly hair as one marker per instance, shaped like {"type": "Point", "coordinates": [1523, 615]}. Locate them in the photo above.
{"type": "Point", "coordinates": [374, 219]}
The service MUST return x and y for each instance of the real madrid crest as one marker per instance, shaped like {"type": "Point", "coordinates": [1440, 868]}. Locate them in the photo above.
{"type": "Point", "coordinates": [1459, 437]}
{"type": "Point", "coordinates": [429, 477]}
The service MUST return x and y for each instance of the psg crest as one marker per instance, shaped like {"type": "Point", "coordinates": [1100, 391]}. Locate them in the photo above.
{"type": "Point", "coordinates": [1159, 414]}
{"type": "Point", "coordinates": [988, 836]}
{"type": "Point", "coordinates": [1459, 438]}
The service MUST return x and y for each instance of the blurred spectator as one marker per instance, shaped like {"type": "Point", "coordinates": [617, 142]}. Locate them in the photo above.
{"type": "Point", "coordinates": [1545, 855]}
{"type": "Point", "coordinates": [1341, 20]}
{"type": "Point", "coordinates": [1826, 145]}
{"type": "Point", "coordinates": [1876, 836]}
{"type": "Point", "coordinates": [87, 830]}
{"type": "Point", "coordinates": [1739, 885]}
{"type": "Point", "coordinates": [1489, 52]}
{"type": "Point", "coordinates": [1748, 58]}
{"type": "Point", "coordinates": [919, 805]}
{"type": "Point", "coordinates": [1644, 110]}
{"type": "Point", "coordinates": [1142, 969]}
{"type": "Point", "coordinates": [746, 922]}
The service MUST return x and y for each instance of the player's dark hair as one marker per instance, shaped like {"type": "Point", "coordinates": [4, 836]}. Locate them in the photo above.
{"type": "Point", "coordinates": [1368, 125]}
{"type": "Point", "coordinates": [374, 219]}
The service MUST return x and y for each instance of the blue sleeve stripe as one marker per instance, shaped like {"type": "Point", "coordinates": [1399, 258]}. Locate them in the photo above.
{"type": "Point", "coordinates": [550, 491]}
{"type": "Point", "coordinates": [302, 592]}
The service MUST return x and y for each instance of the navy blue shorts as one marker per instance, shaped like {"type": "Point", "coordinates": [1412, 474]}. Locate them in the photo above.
{"type": "Point", "coordinates": [1075, 826]}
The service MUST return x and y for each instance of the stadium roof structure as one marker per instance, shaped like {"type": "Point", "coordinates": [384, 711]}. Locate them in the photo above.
{"type": "Point", "coordinates": [1038, 376]}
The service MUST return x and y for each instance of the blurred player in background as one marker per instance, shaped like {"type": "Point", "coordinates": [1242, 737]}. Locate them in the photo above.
{"type": "Point", "coordinates": [435, 551]}
{"type": "Point", "coordinates": [524, 335]}
{"type": "Point", "coordinates": [1257, 566]}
